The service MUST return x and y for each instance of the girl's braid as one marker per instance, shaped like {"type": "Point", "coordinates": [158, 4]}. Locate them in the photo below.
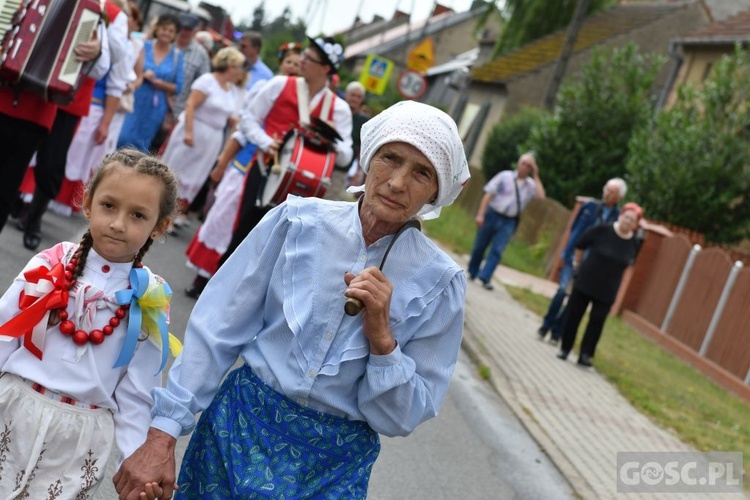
{"type": "Point", "coordinates": [82, 253]}
{"type": "Point", "coordinates": [142, 251]}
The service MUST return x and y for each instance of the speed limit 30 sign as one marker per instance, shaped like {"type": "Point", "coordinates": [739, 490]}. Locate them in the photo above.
{"type": "Point", "coordinates": [411, 85]}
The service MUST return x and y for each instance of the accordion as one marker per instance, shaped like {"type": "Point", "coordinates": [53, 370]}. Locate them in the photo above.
{"type": "Point", "coordinates": [38, 37]}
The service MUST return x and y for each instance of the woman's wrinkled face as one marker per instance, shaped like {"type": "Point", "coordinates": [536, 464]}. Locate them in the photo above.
{"type": "Point", "coordinates": [400, 181]}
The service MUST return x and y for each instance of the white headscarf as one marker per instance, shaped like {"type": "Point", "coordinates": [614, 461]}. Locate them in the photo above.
{"type": "Point", "coordinates": [433, 133]}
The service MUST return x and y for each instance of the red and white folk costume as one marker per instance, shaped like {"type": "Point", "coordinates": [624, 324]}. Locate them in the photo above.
{"type": "Point", "coordinates": [81, 404]}
{"type": "Point", "coordinates": [213, 237]}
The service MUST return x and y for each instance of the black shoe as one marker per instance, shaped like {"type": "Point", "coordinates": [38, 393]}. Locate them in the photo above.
{"type": "Point", "coordinates": [193, 291]}
{"type": "Point", "coordinates": [584, 360]}
{"type": "Point", "coordinates": [487, 285]}
{"type": "Point", "coordinates": [542, 332]}
{"type": "Point", "coordinates": [31, 240]}
{"type": "Point", "coordinates": [562, 354]}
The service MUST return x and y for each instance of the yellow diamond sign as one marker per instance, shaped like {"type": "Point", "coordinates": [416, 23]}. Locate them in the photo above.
{"type": "Point", "coordinates": [422, 57]}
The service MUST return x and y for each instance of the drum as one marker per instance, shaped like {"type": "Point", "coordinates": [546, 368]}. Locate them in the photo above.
{"type": "Point", "coordinates": [304, 168]}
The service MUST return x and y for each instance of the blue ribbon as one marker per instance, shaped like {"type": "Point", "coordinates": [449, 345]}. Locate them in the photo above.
{"type": "Point", "coordinates": [154, 316]}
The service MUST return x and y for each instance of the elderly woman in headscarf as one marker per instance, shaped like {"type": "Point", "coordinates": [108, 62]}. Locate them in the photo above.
{"type": "Point", "coordinates": [301, 417]}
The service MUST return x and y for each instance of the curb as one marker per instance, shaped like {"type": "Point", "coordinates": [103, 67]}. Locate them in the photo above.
{"type": "Point", "coordinates": [472, 346]}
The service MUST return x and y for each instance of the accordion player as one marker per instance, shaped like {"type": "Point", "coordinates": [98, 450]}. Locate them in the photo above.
{"type": "Point", "coordinates": [39, 40]}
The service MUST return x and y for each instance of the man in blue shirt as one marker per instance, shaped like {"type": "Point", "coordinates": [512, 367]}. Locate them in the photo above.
{"type": "Point", "coordinates": [250, 45]}
{"type": "Point", "coordinates": [604, 211]}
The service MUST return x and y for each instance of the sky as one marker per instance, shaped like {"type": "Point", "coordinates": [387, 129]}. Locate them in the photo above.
{"type": "Point", "coordinates": [331, 16]}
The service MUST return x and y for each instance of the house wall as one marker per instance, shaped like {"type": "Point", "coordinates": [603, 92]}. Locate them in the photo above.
{"type": "Point", "coordinates": [495, 95]}
{"type": "Point", "coordinates": [447, 43]}
{"type": "Point", "coordinates": [697, 63]}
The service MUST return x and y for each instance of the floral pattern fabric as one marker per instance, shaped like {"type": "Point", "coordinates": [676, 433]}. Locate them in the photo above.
{"type": "Point", "coordinates": [254, 442]}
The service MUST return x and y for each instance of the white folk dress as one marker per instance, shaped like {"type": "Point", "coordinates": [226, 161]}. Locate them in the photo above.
{"type": "Point", "coordinates": [192, 164]}
{"type": "Point", "coordinates": [53, 449]}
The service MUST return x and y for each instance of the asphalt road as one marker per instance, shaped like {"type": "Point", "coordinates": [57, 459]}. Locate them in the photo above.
{"type": "Point", "coordinates": [476, 448]}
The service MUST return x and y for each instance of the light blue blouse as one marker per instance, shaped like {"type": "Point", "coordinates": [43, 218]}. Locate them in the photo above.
{"type": "Point", "coordinates": [278, 303]}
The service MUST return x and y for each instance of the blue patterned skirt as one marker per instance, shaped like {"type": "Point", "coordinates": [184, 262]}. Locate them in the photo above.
{"type": "Point", "coordinates": [253, 442]}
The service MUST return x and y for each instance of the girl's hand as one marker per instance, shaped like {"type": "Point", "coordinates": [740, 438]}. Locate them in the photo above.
{"type": "Point", "coordinates": [188, 139]}
{"type": "Point", "coordinates": [152, 491]}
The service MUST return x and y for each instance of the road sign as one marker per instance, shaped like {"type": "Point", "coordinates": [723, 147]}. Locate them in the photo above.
{"type": "Point", "coordinates": [411, 84]}
{"type": "Point", "coordinates": [422, 57]}
{"type": "Point", "coordinates": [376, 73]}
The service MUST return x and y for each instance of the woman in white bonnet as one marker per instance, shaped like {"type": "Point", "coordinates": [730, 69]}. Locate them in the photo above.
{"type": "Point", "coordinates": [301, 417]}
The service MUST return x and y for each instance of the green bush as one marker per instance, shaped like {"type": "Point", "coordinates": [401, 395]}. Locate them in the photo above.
{"type": "Point", "coordinates": [692, 166]}
{"type": "Point", "coordinates": [502, 148]}
{"type": "Point", "coordinates": [585, 142]}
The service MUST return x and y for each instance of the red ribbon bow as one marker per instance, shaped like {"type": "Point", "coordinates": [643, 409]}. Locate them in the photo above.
{"type": "Point", "coordinates": [45, 291]}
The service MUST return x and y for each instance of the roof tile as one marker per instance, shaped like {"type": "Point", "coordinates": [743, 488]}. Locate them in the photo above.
{"type": "Point", "coordinates": [736, 28]}
{"type": "Point", "coordinates": [597, 28]}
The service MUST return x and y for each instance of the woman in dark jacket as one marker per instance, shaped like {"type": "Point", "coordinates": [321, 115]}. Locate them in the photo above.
{"type": "Point", "coordinates": [610, 249]}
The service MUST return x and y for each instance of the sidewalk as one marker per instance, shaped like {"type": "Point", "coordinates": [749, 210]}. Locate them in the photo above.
{"type": "Point", "coordinates": [576, 416]}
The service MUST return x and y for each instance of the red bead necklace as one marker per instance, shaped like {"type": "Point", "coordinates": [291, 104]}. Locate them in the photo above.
{"type": "Point", "coordinates": [80, 337]}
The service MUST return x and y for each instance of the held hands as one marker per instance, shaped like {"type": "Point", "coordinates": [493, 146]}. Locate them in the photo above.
{"type": "Point", "coordinates": [374, 290]}
{"type": "Point", "coordinates": [149, 470]}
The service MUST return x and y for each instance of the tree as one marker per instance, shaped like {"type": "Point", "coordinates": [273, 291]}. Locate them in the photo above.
{"type": "Point", "coordinates": [565, 52]}
{"type": "Point", "coordinates": [585, 142]}
{"type": "Point", "coordinates": [503, 146]}
{"type": "Point", "coordinates": [691, 167]}
{"type": "Point", "coordinates": [259, 15]}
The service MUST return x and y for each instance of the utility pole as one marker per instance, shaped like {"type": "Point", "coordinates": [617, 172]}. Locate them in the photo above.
{"type": "Point", "coordinates": [582, 6]}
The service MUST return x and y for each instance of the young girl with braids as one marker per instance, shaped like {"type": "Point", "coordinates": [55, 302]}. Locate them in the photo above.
{"type": "Point", "coordinates": [83, 338]}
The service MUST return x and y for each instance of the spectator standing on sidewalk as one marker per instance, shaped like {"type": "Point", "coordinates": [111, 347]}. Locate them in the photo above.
{"type": "Point", "coordinates": [499, 213]}
{"type": "Point", "coordinates": [610, 249]}
{"type": "Point", "coordinates": [591, 213]}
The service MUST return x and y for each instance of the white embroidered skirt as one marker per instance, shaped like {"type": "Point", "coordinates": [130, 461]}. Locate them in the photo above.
{"type": "Point", "coordinates": [50, 449]}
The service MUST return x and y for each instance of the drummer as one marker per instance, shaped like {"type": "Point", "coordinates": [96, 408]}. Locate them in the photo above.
{"type": "Point", "coordinates": [266, 119]}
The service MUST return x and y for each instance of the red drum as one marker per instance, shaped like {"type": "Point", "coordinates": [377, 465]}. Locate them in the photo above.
{"type": "Point", "coordinates": [304, 169]}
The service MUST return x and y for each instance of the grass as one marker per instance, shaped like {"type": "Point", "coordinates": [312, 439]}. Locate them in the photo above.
{"type": "Point", "coordinates": [661, 386]}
